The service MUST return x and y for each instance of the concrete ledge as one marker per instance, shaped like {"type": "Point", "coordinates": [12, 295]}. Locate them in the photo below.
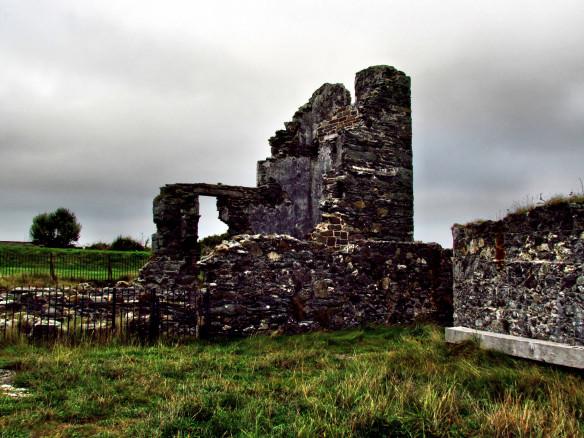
{"type": "Point", "coordinates": [534, 349]}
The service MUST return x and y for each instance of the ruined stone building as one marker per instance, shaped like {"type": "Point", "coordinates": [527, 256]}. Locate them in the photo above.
{"type": "Point", "coordinates": [325, 239]}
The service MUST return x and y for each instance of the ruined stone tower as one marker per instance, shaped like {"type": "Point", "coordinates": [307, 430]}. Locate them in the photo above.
{"type": "Point", "coordinates": [352, 162]}
{"type": "Point", "coordinates": [338, 172]}
{"type": "Point", "coordinates": [324, 241]}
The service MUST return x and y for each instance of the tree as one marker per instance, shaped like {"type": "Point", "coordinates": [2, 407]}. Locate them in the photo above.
{"type": "Point", "coordinates": [55, 230]}
{"type": "Point", "coordinates": [42, 230]}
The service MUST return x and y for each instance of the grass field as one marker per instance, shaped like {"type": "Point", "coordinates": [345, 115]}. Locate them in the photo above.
{"type": "Point", "coordinates": [373, 382]}
{"type": "Point", "coordinates": [36, 265]}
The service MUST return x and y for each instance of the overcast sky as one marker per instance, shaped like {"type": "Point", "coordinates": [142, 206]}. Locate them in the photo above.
{"type": "Point", "coordinates": [101, 103]}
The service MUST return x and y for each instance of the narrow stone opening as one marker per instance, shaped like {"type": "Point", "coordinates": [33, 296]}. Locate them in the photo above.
{"type": "Point", "coordinates": [209, 222]}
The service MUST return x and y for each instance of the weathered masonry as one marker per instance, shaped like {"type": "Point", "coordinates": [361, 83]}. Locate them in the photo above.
{"type": "Point", "coordinates": [176, 215]}
{"type": "Point", "coordinates": [334, 159]}
{"type": "Point", "coordinates": [325, 239]}
{"type": "Point", "coordinates": [267, 283]}
{"type": "Point", "coordinates": [523, 275]}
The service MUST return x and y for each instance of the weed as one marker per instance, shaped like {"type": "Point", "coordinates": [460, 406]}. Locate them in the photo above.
{"type": "Point", "coordinates": [529, 203]}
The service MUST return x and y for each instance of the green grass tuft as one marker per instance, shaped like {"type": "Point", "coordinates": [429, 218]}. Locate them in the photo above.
{"type": "Point", "coordinates": [528, 204]}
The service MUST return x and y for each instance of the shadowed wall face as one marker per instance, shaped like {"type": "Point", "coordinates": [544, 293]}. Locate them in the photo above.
{"type": "Point", "coordinates": [276, 283]}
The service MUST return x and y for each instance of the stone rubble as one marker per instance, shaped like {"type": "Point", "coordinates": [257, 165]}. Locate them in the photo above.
{"type": "Point", "coordinates": [50, 313]}
{"type": "Point", "coordinates": [6, 387]}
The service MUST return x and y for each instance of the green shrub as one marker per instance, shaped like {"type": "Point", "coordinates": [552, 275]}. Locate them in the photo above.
{"type": "Point", "coordinates": [210, 242]}
{"type": "Point", "coordinates": [122, 243]}
{"type": "Point", "coordinates": [101, 246]}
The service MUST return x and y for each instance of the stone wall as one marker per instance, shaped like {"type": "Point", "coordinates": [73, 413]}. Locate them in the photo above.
{"type": "Point", "coordinates": [332, 232]}
{"type": "Point", "coordinates": [176, 214]}
{"type": "Point", "coordinates": [325, 239]}
{"type": "Point", "coordinates": [350, 161]}
{"type": "Point", "coordinates": [523, 275]}
{"type": "Point", "coordinates": [174, 245]}
{"type": "Point", "coordinates": [345, 118]}
{"type": "Point", "coordinates": [371, 188]}
{"type": "Point", "coordinates": [267, 283]}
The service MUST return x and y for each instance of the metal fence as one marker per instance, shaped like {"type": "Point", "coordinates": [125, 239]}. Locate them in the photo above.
{"type": "Point", "coordinates": [101, 312]}
{"type": "Point", "coordinates": [79, 266]}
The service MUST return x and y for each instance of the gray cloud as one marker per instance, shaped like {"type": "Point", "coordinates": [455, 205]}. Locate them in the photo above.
{"type": "Point", "coordinates": [101, 105]}
{"type": "Point", "coordinates": [497, 126]}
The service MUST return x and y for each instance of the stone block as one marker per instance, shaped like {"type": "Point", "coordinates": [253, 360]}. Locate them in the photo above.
{"type": "Point", "coordinates": [526, 348]}
{"type": "Point", "coordinates": [320, 289]}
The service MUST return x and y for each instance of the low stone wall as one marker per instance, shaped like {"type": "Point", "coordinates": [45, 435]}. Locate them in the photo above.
{"type": "Point", "coordinates": [267, 283]}
{"type": "Point", "coordinates": [523, 275]}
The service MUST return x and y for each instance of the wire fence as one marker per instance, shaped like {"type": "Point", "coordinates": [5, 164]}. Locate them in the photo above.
{"type": "Point", "coordinates": [52, 313]}
{"type": "Point", "coordinates": [78, 266]}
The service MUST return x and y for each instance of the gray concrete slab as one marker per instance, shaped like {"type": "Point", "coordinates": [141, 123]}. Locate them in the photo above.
{"type": "Point", "coordinates": [534, 349]}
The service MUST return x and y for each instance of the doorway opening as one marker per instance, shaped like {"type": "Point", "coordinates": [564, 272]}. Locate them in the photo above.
{"type": "Point", "coordinates": [210, 226]}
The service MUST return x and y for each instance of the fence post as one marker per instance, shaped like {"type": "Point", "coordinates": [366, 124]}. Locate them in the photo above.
{"type": "Point", "coordinates": [154, 316]}
{"type": "Point", "coordinates": [206, 305]}
{"type": "Point", "coordinates": [52, 268]}
{"type": "Point", "coordinates": [114, 300]}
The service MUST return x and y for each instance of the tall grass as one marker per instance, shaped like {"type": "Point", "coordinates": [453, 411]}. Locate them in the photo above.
{"type": "Point", "coordinates": [378, 381]}
{"type": "Point", "coordinates": [530, 202]}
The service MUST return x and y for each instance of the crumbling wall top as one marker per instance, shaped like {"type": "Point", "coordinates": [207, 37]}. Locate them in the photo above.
{"type": "Point", "coordinates": [297, 139]}
{"type": "Point", "coordinates": [379, 77]}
